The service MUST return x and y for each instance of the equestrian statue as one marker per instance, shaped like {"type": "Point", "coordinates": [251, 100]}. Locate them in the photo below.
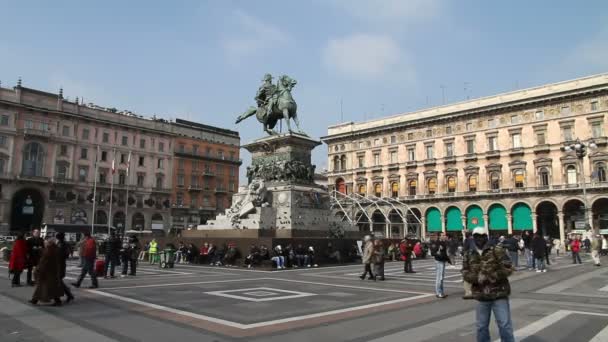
{"type": "Point", "coordinates": [274, 103]}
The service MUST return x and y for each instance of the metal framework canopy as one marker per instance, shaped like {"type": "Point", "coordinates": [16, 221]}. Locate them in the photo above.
{"type": "Point", "coordinates": [355, 208]}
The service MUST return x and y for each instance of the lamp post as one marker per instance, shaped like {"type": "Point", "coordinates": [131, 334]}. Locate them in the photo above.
{"type": "Point", "coordinates": [580, 150]}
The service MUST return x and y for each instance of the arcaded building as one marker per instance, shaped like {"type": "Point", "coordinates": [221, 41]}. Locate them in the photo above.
{"type": "Point", "coordinates": [497, 162]}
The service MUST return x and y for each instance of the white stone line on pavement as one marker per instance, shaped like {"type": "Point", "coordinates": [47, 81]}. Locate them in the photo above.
{"type": "Point", "coordinates": [539, 325]}
{"type": "Point", "coordinates": [543, 323]}
{"type": "Point", "coordinates": [565, 284]}
{"type": "Point", "coordinates": [605, 288]}
{"type": "Point", "coordinates": [266, 290]}
{"type": "Point", "coordinates": [48, 324]}
{"type": "Point", "coordinates": [351, 286]}
{"type": "Point", "coordinates": [253, 325]}
{"type": "Point", "coordinates": [601, 336]}
{"type": "Point", "coordinates": [421, 282]}
{"type": "Point", "coordinates": [429, 331]}
{"type": "Point", "coordinates": [179, 284]}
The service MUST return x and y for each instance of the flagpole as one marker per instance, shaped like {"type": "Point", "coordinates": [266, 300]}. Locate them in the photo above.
{"type": "Point", "coordinates": [127, 199]}
{"type": "Point", "coordinates": [94, 190]}
{"type": "Point", "coordinates": [112, 189]}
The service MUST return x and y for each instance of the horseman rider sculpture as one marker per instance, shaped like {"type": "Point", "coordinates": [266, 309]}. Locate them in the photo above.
{"type": "Point", "coordinates": [266, 95]}
{"type": "Point", "coordinates": [274, 103]}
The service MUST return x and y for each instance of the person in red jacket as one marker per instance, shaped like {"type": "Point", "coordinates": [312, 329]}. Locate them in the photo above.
{"type": "Point", "coordinates": [575, 246]}
{"type": "Point", "coordinates": [17, 262]}
{"type": "Point", "coordinates": [89, 254]}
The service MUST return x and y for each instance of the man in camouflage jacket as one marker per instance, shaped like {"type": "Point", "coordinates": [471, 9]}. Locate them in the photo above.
{"type": "Point", "coordinates": [487, 268]}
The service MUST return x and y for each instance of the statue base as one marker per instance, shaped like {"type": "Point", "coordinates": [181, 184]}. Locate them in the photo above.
{"type": "Point", "coordinates": [281, 195]}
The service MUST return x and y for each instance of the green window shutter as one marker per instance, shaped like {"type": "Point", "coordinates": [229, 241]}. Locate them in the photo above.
{"type": "Point", "coordinates": [454, 221]}
{"type": "Point", "coordinates": [475, 212]}
{"type": "Point", "coordinates": [522, 217]}
{"type": "Point", "coordinates": [497, 217]}
{"type": "Point", "coordinates": [433, 220]}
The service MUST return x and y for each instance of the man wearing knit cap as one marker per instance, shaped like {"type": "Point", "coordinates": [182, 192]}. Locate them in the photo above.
{"type": "Point", "coordinates": [487, 268]}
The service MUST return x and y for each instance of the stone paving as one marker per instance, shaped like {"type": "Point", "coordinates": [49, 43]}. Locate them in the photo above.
{"type": "Point", "coordinates": [568, 303]}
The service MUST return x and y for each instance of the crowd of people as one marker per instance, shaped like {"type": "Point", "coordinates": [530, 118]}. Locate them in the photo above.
{"type": "Point", "coordinates": [45, 261]}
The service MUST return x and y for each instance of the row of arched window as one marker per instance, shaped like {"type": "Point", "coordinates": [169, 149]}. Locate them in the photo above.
{"type": "Point", "coordinates": [472, 181]}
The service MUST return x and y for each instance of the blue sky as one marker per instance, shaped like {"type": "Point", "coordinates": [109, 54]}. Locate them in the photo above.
{"type": "Point", "coordinates": [203, 60]}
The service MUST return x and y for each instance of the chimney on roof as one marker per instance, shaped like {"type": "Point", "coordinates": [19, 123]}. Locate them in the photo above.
{"type": "Point", "coordinates": [18, 90]}
{"type": "Point", "coordinates": [60, 99]}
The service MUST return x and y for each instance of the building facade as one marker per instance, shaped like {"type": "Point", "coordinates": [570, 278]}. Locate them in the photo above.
{"type": "Point", "coordinates": [205, 172]}
{"type": "Point", "coordinates": [497, 162]}
{"type": "Point", "coordinates": [48, 171]}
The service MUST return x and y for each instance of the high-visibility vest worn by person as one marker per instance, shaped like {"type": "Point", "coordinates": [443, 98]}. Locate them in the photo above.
{"type": "Point", "coordinates": [153, 247]}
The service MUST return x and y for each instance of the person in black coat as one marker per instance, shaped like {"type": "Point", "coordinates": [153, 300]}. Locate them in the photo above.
{"type": "Point", "coordinates": [64, 253]}
{"type": "Point", "coordinates": [112, 253]}
{"type": "Point", "coordinates": [537, 245]}
{"type": "Point", "coordinates": [35, 245]}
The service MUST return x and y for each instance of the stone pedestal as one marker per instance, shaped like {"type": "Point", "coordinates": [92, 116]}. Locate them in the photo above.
{"type": "Point", "coordinates": [281, 194]}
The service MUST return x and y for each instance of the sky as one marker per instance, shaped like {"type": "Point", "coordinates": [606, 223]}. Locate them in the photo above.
{"type": "Point", "coordinates": [354, 60]}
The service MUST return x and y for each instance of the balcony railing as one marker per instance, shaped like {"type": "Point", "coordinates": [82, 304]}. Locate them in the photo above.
{"type": "Point", "coordinates": [195, 187]}
{"type": "Point", "coordinates": [198, 154]}
{"type": "Point", "coordinates": [66, 181]}
{"type": "Point", "coordinates": [40, 179]}
{"type": "Point", "coordinates": [35, 132]}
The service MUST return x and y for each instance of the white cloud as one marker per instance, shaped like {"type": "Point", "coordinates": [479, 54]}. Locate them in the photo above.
{"type": "Point", "coordinates": [366, 56]}
{"type": "Point", "coordinates": [253, 36]}
{"type": "Point", "coordinates": [390, 12]}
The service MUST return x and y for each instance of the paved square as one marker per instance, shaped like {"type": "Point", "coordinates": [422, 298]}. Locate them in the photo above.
{"type": "Point", "coordinates": [254, 294]}
{"type": "Point", "coordinates": [235, 304]}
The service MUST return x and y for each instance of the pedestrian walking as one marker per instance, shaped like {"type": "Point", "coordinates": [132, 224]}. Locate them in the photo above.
{"type": "Point", "coordinates": [439, 251]}
{"type": "Point", "coordinates": [538, 250]}
{"type": "Point", "coordinates": [406, 249]}
{"type": "Point", "coordinates": [48, 276]}
{"type": "Point", "coordinates": [548, 246]}
{"type": "Point", "coordinates": [511, 244]}
{"type": "Point", "coordinates": [35, 244]}
{"type": "Point", "coordinates": [134, 248]}
{"type": "Point", "coordinates": [112, 255]}
{"type": "Point", "coordinates": [64, 254]}
{"type": "Point", "coordinates": [596, 246]}
{"type": "Point", "coordinates": [89, 254]}
{"type": "Point", "coordinates": [527, 237]}
{"type": "Point", "coordinates": [575, 247]}
{"type": "Point", "coordinates": [487, 268]}
{"type": "Point", "coordinates": [368, 251]}
{"type": "Point", "coordinates": [378, 259]}
{"type": "Point", "coordinates": [467, 244]}
{"type": "Point", "coordinates": [17, 261]}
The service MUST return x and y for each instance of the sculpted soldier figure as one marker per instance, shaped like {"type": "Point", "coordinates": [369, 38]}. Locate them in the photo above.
{"type": "Point", "coordinates": [274, 103]}
{"type": "Point", "coordinates": [265, 97]}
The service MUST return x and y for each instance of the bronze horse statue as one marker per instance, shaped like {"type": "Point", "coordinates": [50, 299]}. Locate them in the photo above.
{"type": "Point", "coordinates": [284, 108]}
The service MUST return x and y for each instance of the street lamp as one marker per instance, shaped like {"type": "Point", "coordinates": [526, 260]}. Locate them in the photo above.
{"type": "Point", "coordinates": [580, 150]}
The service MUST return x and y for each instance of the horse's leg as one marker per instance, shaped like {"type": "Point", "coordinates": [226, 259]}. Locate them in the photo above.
{"type": "Point", "coordinates": [297, 121]}
{"type": "Point", "coordinates": [286, 117]}
{"type": "Point", "coordinates": [269, 131]}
